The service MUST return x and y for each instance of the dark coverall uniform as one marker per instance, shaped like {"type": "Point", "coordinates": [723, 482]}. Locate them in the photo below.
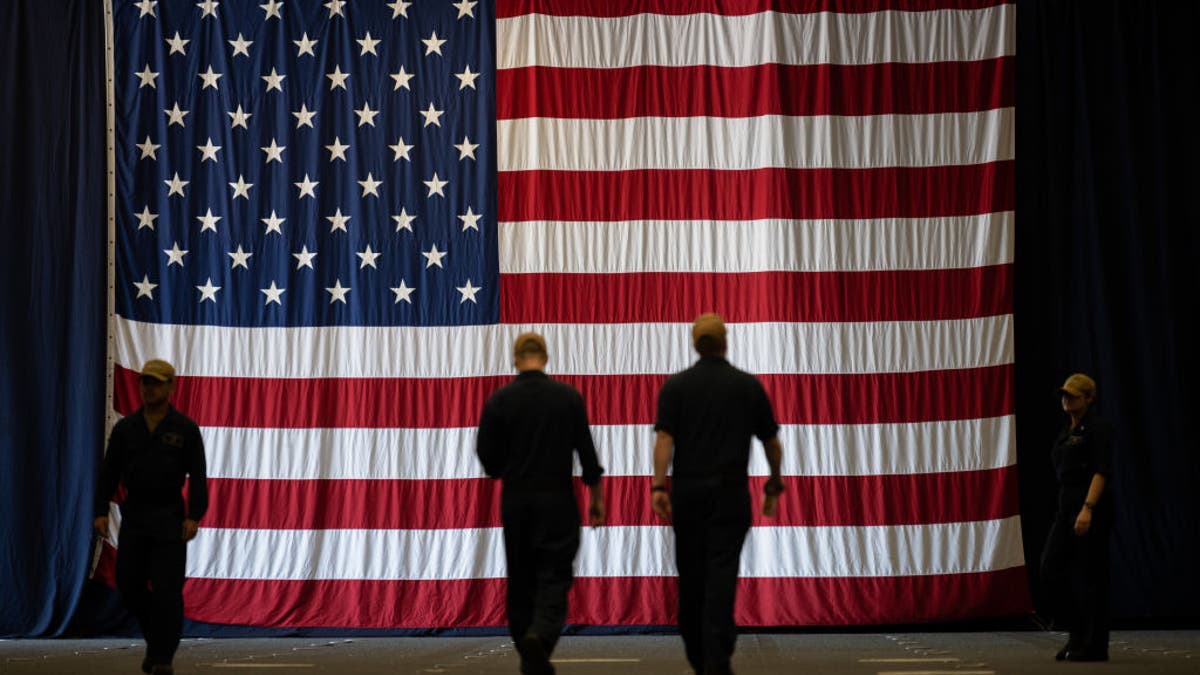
{"type": "Point", "coordinates": [1076, 569]}
{"type": "Point", "coordinates": [528, 433]}
{"type": "Point", "coordinates": [712, 410]}
{"type": "Point", "coordinates": [151, 553]}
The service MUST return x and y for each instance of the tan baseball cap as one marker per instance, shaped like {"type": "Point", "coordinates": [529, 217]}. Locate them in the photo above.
{"type": "Point", "coordinates": [708, 325]}
{"type": "Point", "coordinates": [529, 342]}
{"type": "Point", "coordinates": [1079, 385]}
{"type": "Point", "coordinates": [159, 370]}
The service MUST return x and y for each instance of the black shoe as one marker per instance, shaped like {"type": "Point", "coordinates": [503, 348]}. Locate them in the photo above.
{"type": "Point", "coordinates": [147, 666]}
{"type": "Point", "coordinates": [1062, 653]}
{"type": "Point", "coordinates": [534, 659]}
{"type": "Point", "coordinates": [163, 669]}
{"type": "Point", "coordinates": [1087, 655]}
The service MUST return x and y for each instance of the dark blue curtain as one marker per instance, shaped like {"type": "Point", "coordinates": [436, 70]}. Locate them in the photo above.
{"type": "Point", "coordinates": [1107, 273]}
{"type": "Point", "coordinates": [53, 230]}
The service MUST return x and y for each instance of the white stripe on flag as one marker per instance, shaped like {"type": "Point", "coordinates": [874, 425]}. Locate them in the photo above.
{"type": "Point", "coordinates": [575, 349]}
{"type": "Point", "coordinates": [622, 551]}
{"type": "Point", "coordinates": [624, 450]}
{"type": "Point", "coordinates": [720, 143]}
{"type": "Point", "coordinates": [766, 37]}
{"type": "Point", "coordinates": [739, 246]}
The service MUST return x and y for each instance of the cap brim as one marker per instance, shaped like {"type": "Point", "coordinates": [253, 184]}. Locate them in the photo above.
{"type": "Point", "coordinates": [158, 376]}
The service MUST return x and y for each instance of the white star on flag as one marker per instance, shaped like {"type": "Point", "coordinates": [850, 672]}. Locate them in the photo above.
{"type": "Point", "coordinates": [435, 185]}
{"type": "Point", "coordinates": [304, 46]}
{"type": "Point", "coordinates": [148, 149]}
{"type": "Point", "coordinates": [175, 115]}
{"type": "Point", "coordinates": [147, 78]}
{"type": "Point", "coordinates": [208, 221]}
{"type": "Point", "coordinates": [240, 258]}
{"type": "Point", "coordinates": [432, 115]}
{"type": "Point", "coordinates": [209, 7]}
{"type": "Point", "coordinates": [400, 77]}
{"type": "Point", "coordinates": [239, 118]}
{"type": "Point", "coordinates": [335, 7]}
{"type": "Point", "coordinates": [470, 220]}
{"type": "Point", "coordinates": [399, 8]}
{"type": "Point", "coordinates": [274, 152]}
{"type": "Point", "coordinates": [274, 80]}
{"type": "Point", "coordinates": [404, 221]}
{"type": "Point", "coordinates": [434, 257]}
{"type": "Point", "coordinates": [401, 149]}
{"type": "Point", "coordinates": [337, 78]}
{"type": "Point", "coordinates": [273, 294]}
{"type": "Point", "coordinates": [433, 45]}
{"type": "Point", "coordinates": [466, 149]}
{"type": "Point", "coordinates": [177, 44]}
{"type": "Point", "coordinates": [146, 7]}
{"type": "Point", "coordinates": [175, 185]}
{"type": "Point", "coordinates": [304, 258]}
{"type": "Point", "coordinates": [175, 255]}
{"type": "Point", "coordinates": [272, 9]}
{"type": "Point", "coordinates": [466, 78]}
{"type": "Point", "coordinates": [208, 291]}
{"type": "Point", "coordinates": [337, 150]}
{"type": "Point", "coordinates": [307, 187]}
{"type": "Point", "coordinates": [370, 186]}
{"type": "Point", "coordinates": [210, 79]}
{"type": "Point", "coordinates": [366, 115]}
{"type": "Point", "coordinates": [146, 219]}
{"type": "Point", "coordinates": [465, 8]}
{"type": "Point", "coordinates": [368, 45]}
{"type": "Point", "coordinates": [208, 151]}
{"type": "Point", "coordinates": [146, 289]}
{"type": "Point", "coordinates": [273, 224]}
{"type": "Point", "coordinates": [241, 45]}
{"type": "Point", "coordinates": [338, 292]}
{"type": "Point", "coordinates": [241, 188]}
{"type": "Point", "coordinates": [338, 221]}
{"type": "Point", "coordinates": [368, 258]}
{"type": "Point", "coordinates": [468, 292]}
{"type": "Point", "coordinates": [403, 292]}
{"type": "Point", "coordinates": [304, 117]}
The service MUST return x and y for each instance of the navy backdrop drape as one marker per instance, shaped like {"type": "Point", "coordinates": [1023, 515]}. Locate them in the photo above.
{"type": "Point", "coordinates": [52, 304]}
{"type": "Point", "coordinates": [1107, 269]}
{"type": "Point", "coordinates": [1106, 264]}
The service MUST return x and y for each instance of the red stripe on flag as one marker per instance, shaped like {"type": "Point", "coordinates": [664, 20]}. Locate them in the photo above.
{"type": "Point", "coordinates": [889, 295]}
{"type": "Point", "coordinates": [767, 89]}
{"type": "Point", "coordinates": [648, 601]}
{"type": "Point", "coordinates": [613, 8]}
{"type": "Point", "coordinates": [892, 192]}
{"type": "Point", "coordinates": [904, 499]}
{"type": "Point", "coordinates": [859, 398]}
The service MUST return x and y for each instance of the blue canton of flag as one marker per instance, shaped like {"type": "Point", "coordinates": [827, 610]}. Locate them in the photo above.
{"type": "Point", "coordinates": [306, 163]}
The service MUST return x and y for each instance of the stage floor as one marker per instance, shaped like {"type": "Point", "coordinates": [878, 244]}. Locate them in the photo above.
{"type": "Point", "coordinates": [1020, 653]}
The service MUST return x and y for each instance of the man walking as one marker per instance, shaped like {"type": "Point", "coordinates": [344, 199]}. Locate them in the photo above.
{"type": "Point", "coordinates": [151, 452]}
{"type": "Point", "coordinates": [528, 433]}
{"type": "Point", "coordinates": [707, 416]}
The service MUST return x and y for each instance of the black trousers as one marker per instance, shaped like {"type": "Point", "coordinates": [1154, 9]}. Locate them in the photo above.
{"type": "Point", "coordinates": [150, 572]}
{"type": "Point", "coordinates": [541, 538]}
{"type": "Point", "coordinates": [710, 522]}
{"type": "Point", "coordinates": [1075, 571]}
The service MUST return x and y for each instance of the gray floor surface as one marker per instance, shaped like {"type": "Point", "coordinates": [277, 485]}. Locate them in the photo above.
{"type": "Point", "coordinates": [957, 653]}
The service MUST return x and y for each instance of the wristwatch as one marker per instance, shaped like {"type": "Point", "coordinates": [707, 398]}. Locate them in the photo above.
{"type": "Point", "coordinates": [773, 487]}
{"type": "Point", "coordinates": [658, 488]}
{"type": "Point", "coordinates": [1089, 505]}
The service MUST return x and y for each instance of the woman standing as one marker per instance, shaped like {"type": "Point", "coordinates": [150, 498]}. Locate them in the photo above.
{"type": "Point", "coordinates": [1075, 561]}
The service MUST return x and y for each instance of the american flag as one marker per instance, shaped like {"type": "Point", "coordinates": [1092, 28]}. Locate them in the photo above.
{"type": "Point", "coordinates": [333, 217]}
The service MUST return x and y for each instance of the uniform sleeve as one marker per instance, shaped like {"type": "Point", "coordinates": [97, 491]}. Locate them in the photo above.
{"type": "Point", "coordinates": [585, 446]}
{"type": "Point", "coordinates": [765, 426]}
{"type": "Point", "coordinates": [490, 444]}
{"type": "Point", "coordinates": [110, 471]}
{"type": "Point", "coordinates": [1100, 447]}
{"type": "Point", "coordinates": [667, 418]}
{"type": "Point", "coordinates": [197, 475]}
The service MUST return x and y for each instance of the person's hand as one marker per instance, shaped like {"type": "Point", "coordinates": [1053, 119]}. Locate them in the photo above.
{"type": "Point", "coordinates": [661, 501]}
{"type": "Point", "coordinates": [596, 511]}
{"type": "Point", "coordinates": [770, 505]}
{"type": "Point", "coordinates": [1083, 522]}
{"type": "Point", "coordinates": [100, 525]}
{"type": "Point", "coordinates": [190, 527]}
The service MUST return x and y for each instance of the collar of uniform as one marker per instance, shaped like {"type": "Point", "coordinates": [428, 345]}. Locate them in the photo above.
{"type": "Point", "coordinates": [531, 374]}
{"type": "Point", "coordinates": [712, 361]}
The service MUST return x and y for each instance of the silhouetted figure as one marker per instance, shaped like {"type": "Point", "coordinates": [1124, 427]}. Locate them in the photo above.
{"type": "Point", "coordinates": [529, 432]}
{"type": "Point", "coordinates": [151, 452]}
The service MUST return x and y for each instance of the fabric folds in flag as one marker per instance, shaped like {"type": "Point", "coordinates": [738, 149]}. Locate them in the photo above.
{"type": "Point", "coordinates": [334, 217]}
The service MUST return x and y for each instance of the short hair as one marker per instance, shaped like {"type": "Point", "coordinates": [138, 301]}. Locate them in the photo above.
{"type": "Point", "coordinates": [530, 344]}
{"type": "Point", "coordinates": [710, 345]}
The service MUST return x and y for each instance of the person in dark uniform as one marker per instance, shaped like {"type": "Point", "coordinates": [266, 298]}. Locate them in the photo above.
{"type": "Point", "coordinates": [1075, 560]}
{"type": "Point", "coordinates": [151, 452]}
{"type": "Point", "coordinates": [529, 432]}
{"type": "Point", "coordinates": [707, 417]}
